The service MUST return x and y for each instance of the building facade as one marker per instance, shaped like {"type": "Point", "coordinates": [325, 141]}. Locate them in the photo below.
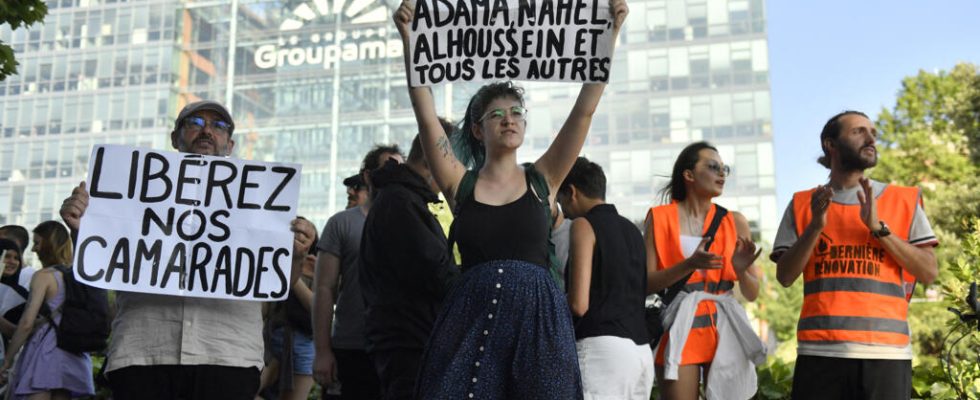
{"type": "Point", "coordinates": [318, 82]}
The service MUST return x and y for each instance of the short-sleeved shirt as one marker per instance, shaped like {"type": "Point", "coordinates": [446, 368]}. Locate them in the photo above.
{"type": "Point", "coordinates": [153, 329]}
{"type": "Point", "coordinates": [341, 237]}
{"type": "Point", "coordinates": [920, 234]}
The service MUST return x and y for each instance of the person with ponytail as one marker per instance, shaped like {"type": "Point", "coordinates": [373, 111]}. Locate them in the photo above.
{"type": "Point", "coordinates": [505, 329]}
{"type": "Point", "coordinates": [679, 246]}
{"type": "Point", "coordinates": [43, 368]}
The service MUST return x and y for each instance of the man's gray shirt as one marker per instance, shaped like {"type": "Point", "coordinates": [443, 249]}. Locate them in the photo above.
{"type": "Point", "coordinates": [342, 238]}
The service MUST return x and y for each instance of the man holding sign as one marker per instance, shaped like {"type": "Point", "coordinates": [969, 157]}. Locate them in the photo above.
{"type": "Point", "coordinates": [208, 346]}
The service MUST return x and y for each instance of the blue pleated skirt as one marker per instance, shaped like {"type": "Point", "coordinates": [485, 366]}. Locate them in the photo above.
{"type": "Point", "coordinates": [505, 332]}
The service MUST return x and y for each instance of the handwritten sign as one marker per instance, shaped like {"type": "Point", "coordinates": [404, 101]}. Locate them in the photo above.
{"type": "Point", "coordinates": [539, 40]}
{"type": "Point", "coordinates": [187, 225]}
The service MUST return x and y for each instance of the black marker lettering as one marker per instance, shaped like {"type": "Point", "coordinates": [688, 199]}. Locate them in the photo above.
{"type": "Point", "coordinates": [97, 176]}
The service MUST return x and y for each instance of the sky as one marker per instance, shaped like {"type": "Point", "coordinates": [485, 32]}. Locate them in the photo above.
{"type": "Point", "coordinates": [830, 55]}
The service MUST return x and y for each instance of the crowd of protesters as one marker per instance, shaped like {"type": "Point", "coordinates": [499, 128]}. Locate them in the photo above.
{"type": "Point", "coordinates": [539, 290]}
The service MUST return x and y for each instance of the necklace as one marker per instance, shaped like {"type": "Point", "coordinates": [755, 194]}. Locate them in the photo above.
{"type": "Point", "coordinates": [694, 224]}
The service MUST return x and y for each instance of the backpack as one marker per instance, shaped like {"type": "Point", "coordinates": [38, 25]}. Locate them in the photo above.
{"type": "Point", "coordinates": [84, 323]}
{"type": "Point", "coordinates": [540, 185]}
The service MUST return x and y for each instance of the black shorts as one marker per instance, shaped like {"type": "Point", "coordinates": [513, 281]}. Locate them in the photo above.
{"type": "Point", "coordinates": [189, 382]}
{"type": "Point", "coordinates": [821, 378]}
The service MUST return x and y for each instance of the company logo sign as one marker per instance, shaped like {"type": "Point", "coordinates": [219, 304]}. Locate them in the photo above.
{"type": "Point", "coordinates": [329, 48]}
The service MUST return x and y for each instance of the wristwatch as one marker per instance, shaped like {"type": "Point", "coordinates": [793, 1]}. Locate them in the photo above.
{"type": "Point", "coordinates": [884, 231]}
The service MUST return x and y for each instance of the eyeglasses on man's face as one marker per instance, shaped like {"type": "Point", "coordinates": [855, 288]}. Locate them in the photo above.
{"type": "Point", "coordinates": [518, 113]}
{"type": "Point", "coordinates": [197, 124]}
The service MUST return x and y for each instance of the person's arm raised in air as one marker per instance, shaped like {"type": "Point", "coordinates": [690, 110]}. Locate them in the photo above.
{"type": "Point", "coordinates": [446, 168]}
{"type": "Point", "coordinates": [555, 163]}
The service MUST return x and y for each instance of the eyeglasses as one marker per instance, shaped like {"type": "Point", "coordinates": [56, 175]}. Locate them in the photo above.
{"type": "Point", "coordinates": [196, 124]}
{"type": "Point", "coordinates": [516, 112]}
{"type": "Point", "coordinates": [718, 169]}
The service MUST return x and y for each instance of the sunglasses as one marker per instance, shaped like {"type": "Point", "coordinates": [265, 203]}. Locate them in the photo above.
{"type": "Point", "coordinates": [517, 112]}
{"type": "Point", "coordinates": [196, 124]}
{"type": "Point", "coordinates": [720, 170]}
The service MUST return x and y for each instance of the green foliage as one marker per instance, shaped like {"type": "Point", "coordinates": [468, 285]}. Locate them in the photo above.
{"type": "Point", "coordinates": [928, 382]}
{"type": "Point", "coordinates": [778, 305]}
{"type": "Point", "coordinates": [775, 380]}
{"type": "Point", "coordinates": [101, 392]}
{"type": "Point", "coordinates": [929, 379]}
{"type": "Point", "coordinates": [928, 323]}
{"type": "Point", "coordinates": [931, 139]}
{"type": "Point", "coordinates": [964, 359]}
{"type": "Point", "coordinates": [17, 13]}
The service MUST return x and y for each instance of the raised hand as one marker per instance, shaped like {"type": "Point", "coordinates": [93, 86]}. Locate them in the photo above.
{"type": "Point", "coordinates": [819, 203]}
{"type": "Point", "coordinates": [619, 10]}
{"type": "Point", "coordinates": [702, 259]}
{"type": "Point", "coordinates": [74, 206]}
{"type": "Point", "coordinates": [303, 234]}
{"type": "Point", "coordinates": [403, 16]}
{"type": "Point", "coordinates": [869, 205]}
{"type": "Point", "coordinates": [745, 254]}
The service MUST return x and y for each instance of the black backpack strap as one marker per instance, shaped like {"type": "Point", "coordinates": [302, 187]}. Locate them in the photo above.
{"type": "Point", "coordinates": [464, 192]}
{"type": "Point", "coordinates": [677, 287]}
{"type": "Point", "coordinates": [540, 186]}
{"type": "Point", "coordinates": [46, 311]}
{"type": "Point", "coordinates": [720, 213]}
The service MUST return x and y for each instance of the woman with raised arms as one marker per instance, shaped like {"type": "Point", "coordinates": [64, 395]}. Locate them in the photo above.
{"type": "Point", "coordinates": [505, 329]}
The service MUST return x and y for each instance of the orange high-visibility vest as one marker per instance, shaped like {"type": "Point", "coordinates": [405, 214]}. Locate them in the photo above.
{"type": "Point", "coordinates": [854, 291]}
{"type": "Point", "coordinates": [703, 339]}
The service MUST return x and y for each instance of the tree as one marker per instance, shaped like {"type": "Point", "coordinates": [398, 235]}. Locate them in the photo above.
{"type": "Point", "coordinates": [931, 139]}
{"type": "Point", "coordinates": [17, 13]}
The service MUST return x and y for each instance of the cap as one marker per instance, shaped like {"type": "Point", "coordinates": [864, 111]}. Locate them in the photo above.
{"type": "Point", "coordinates": [354, 181]}
{"type": "Point", "coordinates": [202, 105]}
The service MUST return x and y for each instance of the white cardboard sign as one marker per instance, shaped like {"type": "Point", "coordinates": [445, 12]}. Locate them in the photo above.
{"type": "Point", "coordinates": [187, 225]}
{"type": "Point", "coordinates": [534, 40]}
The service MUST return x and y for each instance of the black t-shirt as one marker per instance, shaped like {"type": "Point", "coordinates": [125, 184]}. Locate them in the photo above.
{"type": "Point", "coordinates": [619, 277]}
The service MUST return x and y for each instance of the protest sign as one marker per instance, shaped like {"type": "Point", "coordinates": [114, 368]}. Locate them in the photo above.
{"type": "Point", "coordinates": [540, 40]}
{"type": "Point", "coordinates": [187, 225]}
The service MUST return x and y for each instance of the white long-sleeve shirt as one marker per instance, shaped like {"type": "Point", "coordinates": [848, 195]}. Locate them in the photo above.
{"type": "Point", "coordinates": [732, 374]}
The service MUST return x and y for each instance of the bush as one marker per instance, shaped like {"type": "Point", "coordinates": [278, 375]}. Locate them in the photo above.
{"type": "Point", "coordinates": [775, 380]}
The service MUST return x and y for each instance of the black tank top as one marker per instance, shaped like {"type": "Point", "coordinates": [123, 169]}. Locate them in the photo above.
{"type": "Point", "coordinates": [619, 279]}
{"type": "Point", "coordinates": [513, 231]}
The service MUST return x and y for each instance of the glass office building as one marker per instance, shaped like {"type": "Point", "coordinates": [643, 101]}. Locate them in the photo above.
{"type": "Point", "coordinates": [318, 82]}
